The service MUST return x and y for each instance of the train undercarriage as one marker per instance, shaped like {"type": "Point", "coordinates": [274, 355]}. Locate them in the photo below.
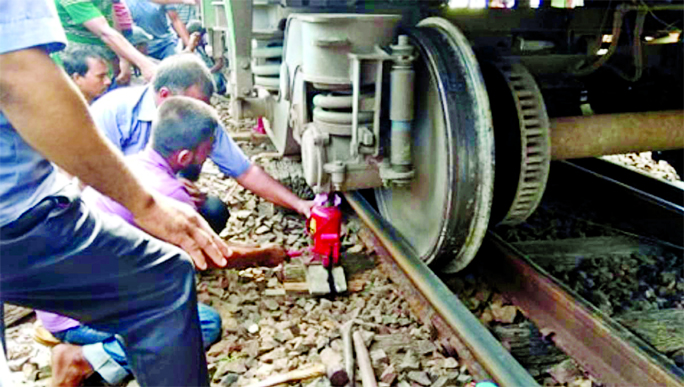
{"type": "Point", "coordinates": [452, 115]}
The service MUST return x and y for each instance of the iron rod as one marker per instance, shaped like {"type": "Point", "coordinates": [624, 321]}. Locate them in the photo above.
{"type": "Point", "coordinates": [607, 134]}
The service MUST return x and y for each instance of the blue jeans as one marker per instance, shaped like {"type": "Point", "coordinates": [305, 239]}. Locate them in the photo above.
{"type": "Point", "coordinates": [162, 48]}
{"type": "Point", "coordinates": [210, 323]}
{"type": "Point", "coordinates": [72, 261]}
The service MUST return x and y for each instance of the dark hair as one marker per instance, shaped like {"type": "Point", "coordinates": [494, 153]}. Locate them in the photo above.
{"type": "Point", "coordinates": [75, 59]}
{"type": "Point", "coordinates": [195, 26]}
{"type": "Point", "coordinates": [182, 123]}
{"type": "Point", "coordinates": [180, 72]}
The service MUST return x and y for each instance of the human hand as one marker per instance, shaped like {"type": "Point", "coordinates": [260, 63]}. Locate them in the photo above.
{"type": "Point", "coordinates": [198, 197]}
{"type": "Point", "coordinates": [125, 71]}
{"type": "Point", "coordinates": [148, 70]}
{"type": "Point", "coordinates": [193, 42]}
{"type": "Point", "coordinates": [304, 207]}
{"type": "Point", "coordinates": [179, 224]}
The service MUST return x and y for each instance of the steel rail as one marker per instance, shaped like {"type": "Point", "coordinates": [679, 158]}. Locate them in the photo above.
{"type": "Point", "coordinates": [575, 186]}
{"type": "Point", "coordinates": [629, 180]}
{"type": "Point", "coordinates": [488, 351]}
{"type": "Point", "coordinates": [600, 345]}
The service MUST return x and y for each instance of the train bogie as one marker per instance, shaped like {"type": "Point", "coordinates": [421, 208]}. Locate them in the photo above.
{"type": "Point", "coordinates": [452, 116]}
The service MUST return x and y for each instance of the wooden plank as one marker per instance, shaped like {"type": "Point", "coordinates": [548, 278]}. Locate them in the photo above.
{"type": "Point", "coordinates": [605, 346]}
{"type": "Point", "coordinates": [663, 329]}
{"type": "Point", "coordinates": [253, 137]}
{"type": "Point", "coordinates": [528, 346]}
{"type": "Point", "coordinates": [302, 288]}
{"type": "Point", "coordinates": [313, 371]}
{"type": "Point", "coordinates": [296, 288]}
{"type": "Point", "coordinates": [294, 272]}
{"type": "Point", "coordinates": [356, 267]}
{"type": "Point", "coordinates": [566, 254]}
{"type": "Point", "coordinates": [14, 314]}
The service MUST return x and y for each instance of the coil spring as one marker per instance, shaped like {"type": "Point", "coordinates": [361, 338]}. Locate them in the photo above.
{"type": "Point", "coordinates": [266, 62]}
{"type": "Point", "coordinates": [332, 112]}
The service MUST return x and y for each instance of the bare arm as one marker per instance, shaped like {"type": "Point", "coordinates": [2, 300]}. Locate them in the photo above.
{"type": "Point", "coordinates": [218, 65]}
{"type": "Point", "coordinates": [122, 21]}
{"type": "Point", "coordinates": [50, 114]}
{"type": "Point", "coordinates": [125, 72]}
{"type": "Point", "coordinates": [121, 46]}
{"type": "Point", "coordinates": [262, 184]}
{"type": "Point", "coordinates": [179, 27]}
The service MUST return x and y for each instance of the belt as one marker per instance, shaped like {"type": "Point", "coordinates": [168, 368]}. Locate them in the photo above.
{"type": "Point", "coordinates": [32, 217]}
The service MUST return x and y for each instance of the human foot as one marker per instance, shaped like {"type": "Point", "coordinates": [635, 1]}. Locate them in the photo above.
{"type": "Point", "coordinates": [69, 366]}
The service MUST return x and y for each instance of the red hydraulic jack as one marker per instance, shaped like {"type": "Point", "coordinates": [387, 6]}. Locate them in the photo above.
{"type": "Point", "coordinates": [324, 275]}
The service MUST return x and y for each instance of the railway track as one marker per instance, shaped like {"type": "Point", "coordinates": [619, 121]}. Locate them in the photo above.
{"type": "Point", "coordinates": [437, 306]}
{"type": "Point", "coordinates": [607, 350]}
{"type": "Point", "coordinates": [483, 353]}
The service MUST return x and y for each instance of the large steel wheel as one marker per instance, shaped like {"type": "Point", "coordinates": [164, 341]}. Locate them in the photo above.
{"type": "Point", "coordinates": [445, 211]}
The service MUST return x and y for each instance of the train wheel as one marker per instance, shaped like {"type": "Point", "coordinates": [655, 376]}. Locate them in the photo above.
{"type": "Point", "coordinates": [445, 211]}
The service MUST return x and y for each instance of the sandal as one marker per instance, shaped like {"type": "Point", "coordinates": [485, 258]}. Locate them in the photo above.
{"type": "Point", "coordinates": [44, 337]}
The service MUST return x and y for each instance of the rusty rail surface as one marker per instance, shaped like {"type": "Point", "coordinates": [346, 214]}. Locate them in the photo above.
{"type": "Point", "coordinates": [432, 300]}
{"type": "Point", "coordinates": [601, 346]}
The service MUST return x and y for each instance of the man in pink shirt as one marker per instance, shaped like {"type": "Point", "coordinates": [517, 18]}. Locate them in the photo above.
{"type": "Point", "coordinates": [182, 136]}
{"type": "Point", "coordinates": [179, 140]}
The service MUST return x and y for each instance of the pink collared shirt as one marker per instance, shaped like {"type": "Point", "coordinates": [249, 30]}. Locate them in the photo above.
{"type": "Point", "coordinates": [154, 172]}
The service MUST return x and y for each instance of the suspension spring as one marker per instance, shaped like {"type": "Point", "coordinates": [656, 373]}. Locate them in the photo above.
{"type": "Point", "coordinates": [332, 112]}
{"type": "Point", "coordinates": [266, 62]}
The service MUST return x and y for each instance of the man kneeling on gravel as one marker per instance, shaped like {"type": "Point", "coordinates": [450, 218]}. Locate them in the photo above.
{"type": "Point", "coordinates": [182, 136]}
{"type": "Point", "coordinates": [125, 117]}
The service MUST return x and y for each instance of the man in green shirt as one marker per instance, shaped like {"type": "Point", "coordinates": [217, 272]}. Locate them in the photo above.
{"type": "Point", "coordinates": [89, 23]}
